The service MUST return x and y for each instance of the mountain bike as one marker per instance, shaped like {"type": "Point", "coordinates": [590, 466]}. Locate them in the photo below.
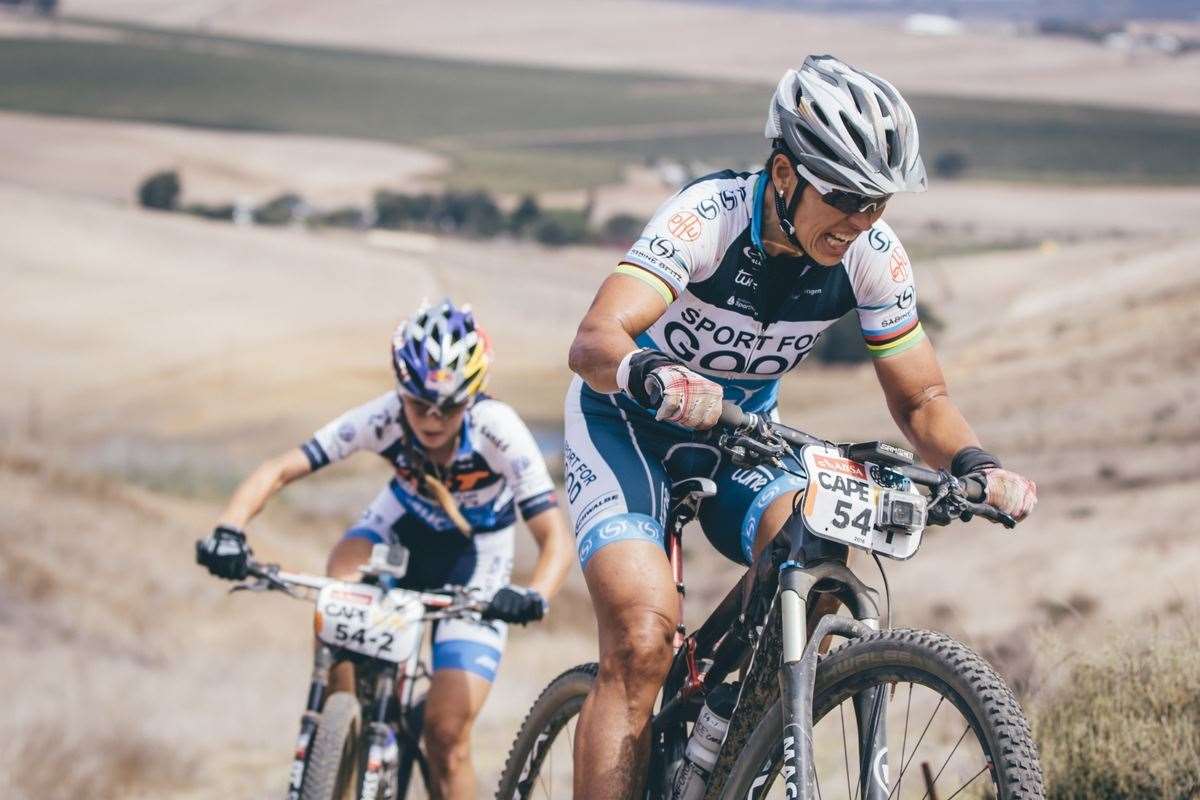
{"type": "Point", "coordinates": [798, 723]}
{"type": "Point", "coordinates": [364, 744]}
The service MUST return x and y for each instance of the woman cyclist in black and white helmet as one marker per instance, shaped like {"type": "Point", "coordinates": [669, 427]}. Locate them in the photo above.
{"type": "Point", "coordinates": [728, 288]}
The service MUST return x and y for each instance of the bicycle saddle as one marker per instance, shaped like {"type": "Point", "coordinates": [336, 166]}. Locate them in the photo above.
{"type": "Point", "coordinates": [692, 488]}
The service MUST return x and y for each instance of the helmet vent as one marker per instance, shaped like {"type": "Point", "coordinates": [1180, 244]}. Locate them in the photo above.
{"type": "Point", "coordinates": [816, 144]}
{"type": "Point", "coordinates": [893, 151]}
{"type": "Point", "coordinates": [821, 114]}
{"type": "Point", "coordinates": [854, 134]}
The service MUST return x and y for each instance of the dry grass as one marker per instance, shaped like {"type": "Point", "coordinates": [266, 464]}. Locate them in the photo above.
{"type": "Point", "coordinates": [1125, 723]}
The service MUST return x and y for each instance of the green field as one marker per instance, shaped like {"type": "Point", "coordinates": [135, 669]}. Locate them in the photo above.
{"type": "Point", "coordinates": [516, 128]}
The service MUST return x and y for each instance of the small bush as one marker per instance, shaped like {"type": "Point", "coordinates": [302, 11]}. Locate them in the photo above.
{"type": "Point", "coordinates": [221, 212]}
{"type": "Point", "coordinates": [622, 230]}
{"type": "Point", "coordinates": [559, 228]}
{"type": "Point", "coordinates": [280, 211]}
{"type": "Point", "coordinates": [524, 215]}
{"type": "Point", "coordinates": [347, 217]}
{"type": "Point", "coordinates": [1125, 724]}
{"type": "Point", "coordinates": [949, 164]}
{"type": "Point", "coordinates": [160, 191]}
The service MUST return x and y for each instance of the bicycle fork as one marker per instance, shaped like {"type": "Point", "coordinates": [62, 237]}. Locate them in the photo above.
{"type": "Point", "coordinates": [322, 661]}
{"type": "Point", "coordinates": [797, 677]}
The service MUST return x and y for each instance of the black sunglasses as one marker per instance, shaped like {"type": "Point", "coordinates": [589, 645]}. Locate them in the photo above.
{"type": "Point", "coordinates": [854, 203]}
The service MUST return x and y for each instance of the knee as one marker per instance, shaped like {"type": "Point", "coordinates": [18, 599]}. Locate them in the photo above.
{"type": "Point", "coordinates": [640, 653]}
{"type": "Point", "coordinates": [447, 743]}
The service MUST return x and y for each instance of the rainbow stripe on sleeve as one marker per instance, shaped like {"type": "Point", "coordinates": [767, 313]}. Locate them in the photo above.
{"type": "Point", "coordinates": [894, 340]}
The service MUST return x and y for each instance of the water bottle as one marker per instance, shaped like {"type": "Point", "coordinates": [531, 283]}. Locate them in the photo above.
{"type": "Point", "coordinates": [705, 743]}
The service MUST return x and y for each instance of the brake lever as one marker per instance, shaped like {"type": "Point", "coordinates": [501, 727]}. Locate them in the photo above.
{"type": "Point", "coordinates": [266, 582]}
{"type": "Point", "coordinates": [989, 513]}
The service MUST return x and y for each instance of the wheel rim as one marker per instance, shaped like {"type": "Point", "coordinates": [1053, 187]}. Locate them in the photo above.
{"type": "Point", "coordinates": [549, 770]}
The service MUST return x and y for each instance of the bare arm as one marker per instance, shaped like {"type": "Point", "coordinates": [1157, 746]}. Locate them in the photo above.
{"type": "Point", "coordinates": [623, 308]}
{"type": "Point", "coordinates": [258, 487]}
{"type": "Point", "coordinates": [916, 395]}
{"type": "Point", "coordinates": [549, 530]}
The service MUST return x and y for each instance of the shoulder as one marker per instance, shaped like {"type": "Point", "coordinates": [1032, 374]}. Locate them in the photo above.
{"type": "Point", "coordinates": [497, 424]}
{"type": "Point", "coordinates": [876, 262]}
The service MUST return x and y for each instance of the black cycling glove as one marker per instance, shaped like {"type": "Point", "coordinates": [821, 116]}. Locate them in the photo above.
{"type": "Point", "coordinates": [225, 553]}
{"type": "Point", "coordinates": [514, 604]}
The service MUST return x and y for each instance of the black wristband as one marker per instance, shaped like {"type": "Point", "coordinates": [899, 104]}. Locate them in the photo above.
{"type": "Point", "coordinates": [641, 364]}
{"type": "Point", "coordinates": [972, 459]}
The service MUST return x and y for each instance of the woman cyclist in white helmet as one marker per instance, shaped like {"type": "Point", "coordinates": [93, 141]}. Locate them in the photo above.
{"type": "Point", "coordinates": [465, 466]}
{"type": "Point", "coordinates": [729, 287]}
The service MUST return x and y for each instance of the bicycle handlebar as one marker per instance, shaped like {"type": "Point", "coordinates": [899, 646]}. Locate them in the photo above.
{"type": "Point", "coordinates": [969, 495]}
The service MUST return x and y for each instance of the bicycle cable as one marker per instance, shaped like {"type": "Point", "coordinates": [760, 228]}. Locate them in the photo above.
{"type": "Point", "coordinates": [887, 591]}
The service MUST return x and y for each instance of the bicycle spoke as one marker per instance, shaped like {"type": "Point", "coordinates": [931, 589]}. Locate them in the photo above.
{"type": "Point", "coordinates": [845, 747]}
{"type": "Point", "coordinates": [904, 744]}
{"type": "Point", "coordinates": [947, 761]}
{"type": "Point", "coordinates": [917, 746]}
{"type": "Point", "coordinates": [982, 770]}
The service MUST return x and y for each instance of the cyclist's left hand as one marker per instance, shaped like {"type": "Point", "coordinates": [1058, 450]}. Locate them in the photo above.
{"type": "Point", "coordinates": [516, 604]}
{"type": "Point", "coordinates": [1013, 494]}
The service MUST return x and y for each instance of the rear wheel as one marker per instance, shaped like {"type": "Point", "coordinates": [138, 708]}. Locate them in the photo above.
{"type": "Point", "coordinates": [953, 728]}
{"type": "Point", "coordinates": [541, 762]}
{"type": "Point", "coordinates": [333, 760]}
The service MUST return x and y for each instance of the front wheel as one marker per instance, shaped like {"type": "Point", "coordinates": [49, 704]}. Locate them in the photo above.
{"type": "Point", "coordinates": [333, 760]}
{"type": "Point", "coordinates": [953, 728]}
{"type": "Point", "coordinates": [540, 763]}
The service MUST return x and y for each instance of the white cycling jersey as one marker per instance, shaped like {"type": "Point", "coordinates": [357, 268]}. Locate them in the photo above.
{"type": "Point", "coordinates": [743, 318]}
{"type": "Point", "coordinates": [496, 471]}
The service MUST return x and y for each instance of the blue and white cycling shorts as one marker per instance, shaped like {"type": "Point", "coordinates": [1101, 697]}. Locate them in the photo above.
{"type": "Point", "coordinates": [620, 463]}
{"type": "Point", "coordinates": [437, 558]}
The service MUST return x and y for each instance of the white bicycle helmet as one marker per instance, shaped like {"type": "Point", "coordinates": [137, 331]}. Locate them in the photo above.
{"type": "Point", "coordinates": [847, 128]}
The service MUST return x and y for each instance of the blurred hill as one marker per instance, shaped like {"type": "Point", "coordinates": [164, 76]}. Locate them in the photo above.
{"type": "Point", "coordinates": [699, 40]}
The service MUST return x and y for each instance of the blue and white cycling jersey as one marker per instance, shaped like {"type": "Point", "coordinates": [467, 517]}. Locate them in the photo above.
{"type": "Point", "coordinates": [496, 472]}
{"type": "Point", "coordinates": [742, 319]}
{"type": "Point", "coordinates": [703, 252]}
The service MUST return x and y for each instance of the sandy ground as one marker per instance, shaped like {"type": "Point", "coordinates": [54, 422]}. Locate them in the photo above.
{"type": "Point", "coordinates": [150, 359]}
{"type": "Point", "coordinates": [102, 159]}
{"type": "Point", "coordinates": [707, 41]}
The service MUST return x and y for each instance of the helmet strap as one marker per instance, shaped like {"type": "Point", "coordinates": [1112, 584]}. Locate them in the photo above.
{"type": "Point", "coordinates": [785, 211]}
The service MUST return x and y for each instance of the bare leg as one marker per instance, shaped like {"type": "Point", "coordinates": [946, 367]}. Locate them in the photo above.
{"type": "Point", "coordinates": [636, 608]}
{"type": "Point", "coordinates": [454, 700]}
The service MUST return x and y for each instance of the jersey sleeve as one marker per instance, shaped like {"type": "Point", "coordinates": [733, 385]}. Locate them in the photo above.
{"type": "Point", "coordinates": [885, 293]}
{"type": "Point", "coordinates": [372, 426]}
{"type": "Point", "coordinates": [678, 245]}
{"type": "Point", "coordinates": [512, 451]}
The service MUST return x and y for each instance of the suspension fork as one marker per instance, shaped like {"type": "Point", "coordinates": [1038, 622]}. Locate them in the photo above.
{"type": "Point", "coordinates": [322, 661]}
{"type": "Point", "coordinates": [382, 750]}
{"type": "Point", "coordinates": [797, 677]}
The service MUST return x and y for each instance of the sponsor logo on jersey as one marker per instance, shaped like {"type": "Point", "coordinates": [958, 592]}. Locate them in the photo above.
{"type": "Point", "coordinates": [685, 226]}
{"type": "Point", "coordinates": [752, 255]}
{"type": "Point", "coordinates": [879, 240]}
{"type": "Point", "coordinates": [345, 432]}
{"type": "Point", "coordinates": [710, 342]}
{"type": "Point", "coordinates": [736, 302]}
{"type": "Point", "coordinates": [811, 292]}
{"type": "Point", "coordinates": [905, 299]}
{"type": "Point", "coordinates": [662, 247]}
{"type": "Point", "coordinates": [898, 266]}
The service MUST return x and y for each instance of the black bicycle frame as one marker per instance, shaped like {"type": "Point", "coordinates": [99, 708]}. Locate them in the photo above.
{"type": "Point", "coordinates": [782, 662]}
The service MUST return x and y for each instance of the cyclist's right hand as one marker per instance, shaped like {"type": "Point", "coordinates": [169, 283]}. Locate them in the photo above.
{"type": "Point", "coordinates": [688, 399]}
{"type": "Point", "coordinates": [225, 553]}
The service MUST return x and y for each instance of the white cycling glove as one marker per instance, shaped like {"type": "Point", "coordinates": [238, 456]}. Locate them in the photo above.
{"type": "Point", "coordinates": [1013, 494]}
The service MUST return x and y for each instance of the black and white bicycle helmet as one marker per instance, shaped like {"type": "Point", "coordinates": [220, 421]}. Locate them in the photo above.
{"type": "Point", "coordinates": [847, 127]}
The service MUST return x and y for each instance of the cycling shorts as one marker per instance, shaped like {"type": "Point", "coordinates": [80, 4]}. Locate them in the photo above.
{"type": "Point", "coordinates": [620, 462]}
{"type": "Point", "coordinates": [437, 558]}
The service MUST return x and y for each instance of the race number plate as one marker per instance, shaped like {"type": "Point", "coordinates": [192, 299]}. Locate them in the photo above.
{"type": "Point", "coordinates": [363, 619]}
{"type": "Point", "coordinates": [841, 503]}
